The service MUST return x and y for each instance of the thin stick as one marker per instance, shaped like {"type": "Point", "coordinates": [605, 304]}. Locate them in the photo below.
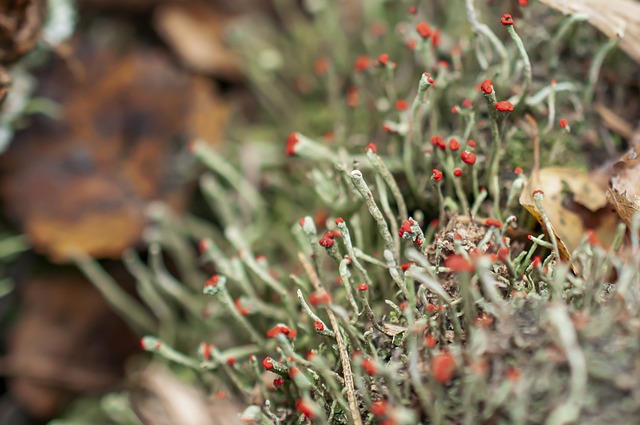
{"type": "Point", "coordinates": [342, 348]}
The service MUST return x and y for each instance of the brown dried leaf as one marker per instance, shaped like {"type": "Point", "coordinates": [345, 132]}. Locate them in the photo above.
{"type": "Point", "coordinates": [82, 183]}
{"type": "Point", "coordinates": [195, 32]}
{"type": "Point", "coordinates": [574, 204]}
{"type": "Point", "coordinates": [612, 17]}
{"type": "Point", "coordinates": [624, 190]}
{"type": "Point", "coordinates": [21, 24]}
{"type": "Point", "coordinates": [66, 341]}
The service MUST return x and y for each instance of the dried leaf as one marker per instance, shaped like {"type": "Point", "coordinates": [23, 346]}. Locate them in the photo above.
{"type": "Point", "coordinates": [195, 31]}
{"type": "Point", "coordinates": [82, 183]}
{"type": "Point", "coordinates": [574, 204]}
{"type": "Point", "coordinates": [624, 190]}
{"type": "Point", "coordinates": [66, 340]}
{"type": "Point", "coordinates": [612, 17]}
{"type": "Point", "coordinates": [21, 24]}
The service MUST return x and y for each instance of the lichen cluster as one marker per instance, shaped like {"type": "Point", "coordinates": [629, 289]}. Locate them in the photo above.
{"type": "Point", "coordinates": [415, 288]}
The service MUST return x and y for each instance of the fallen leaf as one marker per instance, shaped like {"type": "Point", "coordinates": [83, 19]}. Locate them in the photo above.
{"type": "Point", "coordinates": [615, 18]}
{"type": "Point", "coordinates": [20, 27]}
{"type": "Point", "coordinates": [195, 32]}
{"type": "Point", "coordinates": [624, 190]}
{"type": "Point", "coordinates": [574, 203]}
{"type": "Point", "coordinates": [81, 184]}
{"type": "Point", "coordinates": [65, 341]}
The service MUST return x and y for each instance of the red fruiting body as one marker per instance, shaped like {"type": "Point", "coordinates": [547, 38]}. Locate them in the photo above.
{"type": "Point", "coordinates": [379, 408]}
{"type": "Point", "coordinates": [406, 266]}
{"type": "Point", "coordinates": [362, 63]}
{"type": "Point", "coordinates": [503, 254]}
{"type": "Point", "coordinates": [383, 59]}
{"type": "Point", "coordinates": [503, 106]}
{"type": "Point", "coordinates": [429, 79]}
{"type": "Point", "coordinates": [318, 325]}
{"type": "Point", "coordinates": [454, 145]}
{"type": "Point", "coordinates": [320, 297]}
{"type": "Point", "coordinates": [242, 310]}
{"type": "Point", "coordinates": [493, 222]}
{"type": "Point", "coordinates": [517, 170]}
{"type": "Point", "coordinates": [468, 157]}
{"type": "Point", "coordinates": [471, 143]}
{"type": "Point", "coordinates": [435, 38]}
{"type": "Point", "coordinates": [203, 245]}
{"type": "Point", "coordinates": [513, 374]}
{"type": "Point", "coordinates": [506, 20]}
{"type": "Point", "coordinates": [292, 142]}
{"type": "Point", "coordinates": [278, 382]}
{"type": "Point", "coordinates": [339, 220]}
{"type": "Point", "coordinates": [487, 86]}
{"type": "Point", "coordinates": [401, 105]}
{"type": "Point", "coordinates": [484, 320]}
{"type": "Point", "coordinates": [405, 227]}
{"type": "Point", "coordinates": [563, 123]}
{"type": "Point", "coordinates": [540, 191]}
{"type": "Point", "coordinates": [457, 263]}
{"type": "Point", "coordinates": [321, 67]}
{"type": "Point", "coordinates": [213, 281]}
{"type": "Point", "coordinates": [430, 341]}
{"type": "Point", "coordinates": [523, 3]}
{"type": "Point", "coordinates": [454, 109]}
{"type": "Point", "coordinates": [443, 365]}
{"type": "Point", "coordinates": [327, 240]}
{"type": "Point", "coordinates": [457, 172]}
{"type": "Point", "coordinates": [412, 44]}
{"type": "Point", "coordinates": [438, 141]}
{"type": "Point", "coordinates": [369, 366]}
{"type": "Point", "coordinates": [436, 175]}
{"type": "Point", "coordinates": [371, 147]}
{"type": "Point", "coordinates": [536, 261]}
{"type": "Point", "coordinates": [423, 30]}
{"type": "Point", "coordinates": [363, 287]}
{"type": "Point", "coordinates": [281, 329]}
{"type": "Point", "coordinates": [206, 351]}
{"type": "Point", "coordinates": [231, 361]}
{"type": "Point", "coordinates": [267, 363]}
{"type": "Point", "coordinates": [592, 238]}
{"type": "Point", "coordinates": [467, 103]}
{"type": "Point", "coordinates": [293, 372]}
{"type": "Point", "coordinates": [305, 408]}
{"type": "Point", "coordinates": [412, 10]}
{"type": "Point", "coordinates": [353, 97]}
{"type": "Point", "coordinates": [403, 305]}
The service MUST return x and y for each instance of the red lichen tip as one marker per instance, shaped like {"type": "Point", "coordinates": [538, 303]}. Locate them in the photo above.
{"type": "Point", "coordinates": [471, 143]}
{"type": "Point", "coordinates": [379, 408]}
{"type": "Point", "coordinates": [369, 366]}
{"type": "Point", "coordinates": [517, 170]}
{"type": "Point", "coordinates": [327, 240]}
{"type": "Point", "coordinates": [443, 366]}
{"type": "Point", "coordinates": [401, 105]}
{"type": "Point", "coordinates": [412, 10]}
{"type": "Point", "coordinates": [371, 147]}
{"type": "Point", "coordinates": [493, 222]}
{"type": "Point", "coordinates": [467, 103]}
{"type": "Point", "coordinates": [538, 191]}
{"type": "Point", "coordinates": [292, 142]}
{"type": "Point", "coordinates": [523, 3]}
{"type": "Point", "coordinates": [506, 20]}
{"type": "Point", "coordinates": [383, 59]}
{"type": "Point", "coordinates": [457, 263]}
{"type": "Point", "coordinates": [423, 30]}
{"type": "Point", "coordinates": [457, 172]}
{"type": "Point", "coordinates": [563, 123]}
{"type": "Point", "coordinates": [362, 63]}
{"type": "Point", "coordinates": [267, 363]}
{"type": "Point", "coordinates": [339, 220]}
{"type": "Point", "coordinates": [363, 287]}
{"type": "Point", "coordinates": [306, 409]}
{"type": "Point", "coordinates": [213, 281]}
{"type": "Point", "coordinates": [405, 227]}
{"type": "Point", "coordinates": [454, 145]}
{"type": "Point", "coordinates": [503, 106]}
{"type": "Point", "coordinates": [468, 157]}
{"type": "Point", "coordinates": [281, 329]}
{"type": "Point", "coordinates": [436, 175]}
{"type": "Point", "coordinates": [487, 86]}
{"type": "Point", "coordinates": [318, 325]}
